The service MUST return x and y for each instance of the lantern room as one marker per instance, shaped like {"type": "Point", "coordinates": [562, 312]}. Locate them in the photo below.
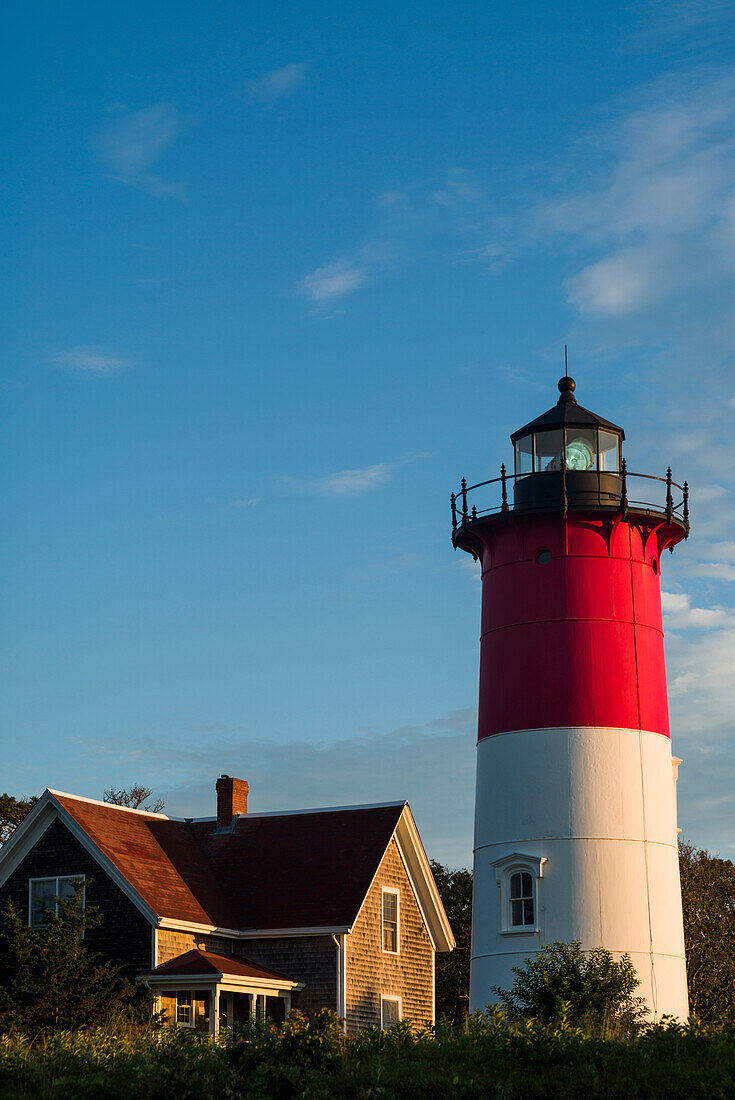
{"type": "Point", "coordinates": [567, 452]}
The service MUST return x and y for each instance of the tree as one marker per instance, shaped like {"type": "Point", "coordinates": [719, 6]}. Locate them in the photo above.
{"type": "Point", "coordinates": [590, 989]}
{"type": "Point", "coordinates": [708, 901]}
{"type": "Point", "coordinates": [453, 968]}
{"type": "Point", "coordinates": [134, 798]}
{"type": "Point", "coordinates": [50, 979]}
{"type": "Point", "coordinates": [12, 812]}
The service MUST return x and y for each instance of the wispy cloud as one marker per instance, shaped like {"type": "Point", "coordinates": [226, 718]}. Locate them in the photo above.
{"type": "Point", "coordinates": [278, 83]}
{"type": "Point", "coordinates": [687, 24]}
{"type": "Point", "coordinates": [135, 142]}
{"type": "Point", "coordinates": [663, 216]}
{"type": "Point", "coordinates": [458, 186]}
{"type": "Point", "coordinates": [348, 483]}
{"type": "Point", "coordinates": [89, 360]}
{"type": "Point", "coordinates": [409, 222]}
{"type": "Point", "coordinates": [333, 281]}
{"type": "Point", "coordinates": [345, 483]}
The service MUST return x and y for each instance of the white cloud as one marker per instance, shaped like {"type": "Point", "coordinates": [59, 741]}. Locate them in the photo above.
{"type": "Point", "coordinates": [347, 483]}
{"type": "Point", "coordinates": [458, 186]}
{"type": "Point", "coordinates": [344, 483]}
{"type": "Point", "coordinates": [89, 360]}
{"type": "Point", "coordinates": [662, 215]}
{"type": "Point", "coordinates": [135, 142]}
{"type": "Point", "coordinates": [279, 82]}
{"type": "Point", "coordinates": [680, 615]}
{"type": "Point", "coordinates": [333, 281]}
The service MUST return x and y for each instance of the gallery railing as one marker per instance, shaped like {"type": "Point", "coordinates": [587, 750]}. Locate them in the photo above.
{"type": "Point", "coordinates": [663, 496]}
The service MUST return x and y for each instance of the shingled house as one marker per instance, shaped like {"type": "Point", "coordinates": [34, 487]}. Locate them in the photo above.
{"type": "Point", "coordinates": [247, 913]}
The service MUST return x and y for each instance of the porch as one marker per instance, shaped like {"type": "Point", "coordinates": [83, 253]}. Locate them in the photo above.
{"type": "Point", "coordinates": [210, 992]}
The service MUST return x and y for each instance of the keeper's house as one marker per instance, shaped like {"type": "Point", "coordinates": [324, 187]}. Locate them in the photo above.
{"type": "Point", "coordinates": [245, 914]}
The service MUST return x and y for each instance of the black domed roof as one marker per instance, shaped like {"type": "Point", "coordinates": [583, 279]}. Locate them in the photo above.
{"type": "Point", "coordinates": [566, 413]}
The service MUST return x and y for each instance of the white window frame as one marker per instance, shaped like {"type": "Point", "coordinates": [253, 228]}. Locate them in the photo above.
{"type": "Point", "coordinates": [394, 1000]}
{"type": "Point", "coordinates": [192, 1015]}
{"type": "Point", "coordinates": [395, 891]}
{"type": "Point", "coordinates": [56, 879]}
{"type": "Point", "coordinates": [505, 867]}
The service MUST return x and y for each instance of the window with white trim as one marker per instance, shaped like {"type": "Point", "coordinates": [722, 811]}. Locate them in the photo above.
{"type": "Point", "coordinates": [44, 895]}
{"type": "Point", "coordinates": [184, 1010]}
{"type": "Point", "coordinates": [518, 877]}
{"type": "Point", "coordinates": [390, 931]}
{"type": "Point", "coordinates": [522, 900]}
{"type": "Point", "coordinates": [390, 1012]}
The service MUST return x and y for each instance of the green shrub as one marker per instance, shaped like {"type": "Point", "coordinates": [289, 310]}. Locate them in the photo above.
{"type": "Point", "coordinates": [50, 979]}
{"type": "Point", "coordinates": [495, 1056]}
{"type": "Point", "coordinates": [587, 989]}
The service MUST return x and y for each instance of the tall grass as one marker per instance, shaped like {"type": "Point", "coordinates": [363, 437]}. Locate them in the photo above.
{"type": "Point", "coordinates": [493, 1057]}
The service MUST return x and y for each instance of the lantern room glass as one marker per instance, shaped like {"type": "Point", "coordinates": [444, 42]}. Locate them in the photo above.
{"type": "Point", "coordinates": [548, 450]}
{"type": "Point", "coordinates": [581, 448]}
{"type": "Point", "coordinates": [609, 451]}
{"type": "Point", "coordinates": [524, 455]}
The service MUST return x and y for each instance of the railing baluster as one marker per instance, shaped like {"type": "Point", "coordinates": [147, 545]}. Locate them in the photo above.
{"type": "Point", "coordinates": [474, 511]}
{"type": "Point", "coordinates": [464, 500]}
{"type": "Point", "coordinates": [669, 500]}
{"type": "Point", "coordinates": [454, 512]}
{"type": "Point", "coordinates": [624, 488]}
{"type": "Point", "coordinates": [503, 478]}
{"type": "Point", "coordinates": [686, 509]}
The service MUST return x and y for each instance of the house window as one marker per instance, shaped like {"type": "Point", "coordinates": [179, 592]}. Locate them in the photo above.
{"type": "Point", "coordinates": [390, 921]}
{"type": "Point", "coordinates": [521, 900]}
{"type": "Point", "coordinates": [390, 1012]}
{"type": "Point", "coordinates": [184, 1010]}
{"type": "Point", "coordinates": [43, 895]}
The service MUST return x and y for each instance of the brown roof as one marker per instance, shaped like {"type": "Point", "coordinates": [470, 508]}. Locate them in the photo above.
{"type": "Point", "coordinates": [302, 870]}
{"type": "Point", "coordinates": [200, 962]}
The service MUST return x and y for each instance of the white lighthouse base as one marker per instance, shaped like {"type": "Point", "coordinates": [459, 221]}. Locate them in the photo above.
{"type": "Point", "coordinates": [590, 812]}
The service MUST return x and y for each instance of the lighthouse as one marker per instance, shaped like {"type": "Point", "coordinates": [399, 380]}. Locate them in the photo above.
{"type": "Point", "coordinates": [575, 809]}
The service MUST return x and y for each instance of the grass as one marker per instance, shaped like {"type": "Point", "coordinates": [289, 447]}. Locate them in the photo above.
{"type": "Point", "coordinates": [493, 1058]}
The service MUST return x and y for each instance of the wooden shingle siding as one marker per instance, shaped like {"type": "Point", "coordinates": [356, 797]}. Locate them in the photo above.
{"type": "Point", "coordinates": [308, 959]}
{"type": "Point", "coordinates": [124, 937]}
{"type": "Point", "coordinates": [371, 971]}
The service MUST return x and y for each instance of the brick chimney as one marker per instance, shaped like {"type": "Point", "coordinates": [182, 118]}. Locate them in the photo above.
{"type": "Point", "coordinates": [232, 798]}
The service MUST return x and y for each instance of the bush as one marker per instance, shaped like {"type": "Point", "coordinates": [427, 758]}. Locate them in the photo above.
{"type": "Point", "coordinates": [496, 1056]}
{"type": "Point", "coordinates": [49, 979]}
{"type": "Point", "coordinates": [587, 989]}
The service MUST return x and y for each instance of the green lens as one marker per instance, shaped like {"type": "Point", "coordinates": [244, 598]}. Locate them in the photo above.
{"type": "Point", "coordinates": [580, 455]}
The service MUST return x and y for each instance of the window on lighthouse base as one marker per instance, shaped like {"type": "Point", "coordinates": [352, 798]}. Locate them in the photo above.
{"type": "Point", "coordinates": [521, 900]}
{"type": "Point", "coordinates": [518, 877]}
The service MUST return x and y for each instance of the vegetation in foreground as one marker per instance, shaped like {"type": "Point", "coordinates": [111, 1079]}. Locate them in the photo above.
{"type": "Point", "coordinates": [494, 1057]}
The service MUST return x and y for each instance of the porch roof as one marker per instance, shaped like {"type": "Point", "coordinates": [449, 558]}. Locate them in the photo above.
{"type": "Point", "coordinates": [213, 966]}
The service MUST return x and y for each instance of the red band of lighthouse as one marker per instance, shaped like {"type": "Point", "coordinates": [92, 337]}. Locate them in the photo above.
{"type": "Point", "coordinates": [571, 624]}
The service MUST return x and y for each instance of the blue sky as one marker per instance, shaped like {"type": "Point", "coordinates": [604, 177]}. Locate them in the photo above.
{"type": "Point", "coordinates": [276, 278]}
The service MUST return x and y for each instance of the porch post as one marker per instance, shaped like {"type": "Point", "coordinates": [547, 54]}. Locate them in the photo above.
{"type": "Point", "coordinates": [215, 1012]}
{"type": "Point", "coordinates": [253, 1006]}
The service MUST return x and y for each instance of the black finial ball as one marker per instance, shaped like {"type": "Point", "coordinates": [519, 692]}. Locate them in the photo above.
{"type": "Point", "coordinates": [566, 385]}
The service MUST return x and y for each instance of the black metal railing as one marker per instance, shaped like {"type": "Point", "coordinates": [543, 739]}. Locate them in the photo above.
{"type": "Point", "coordinates": [670, 500]}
